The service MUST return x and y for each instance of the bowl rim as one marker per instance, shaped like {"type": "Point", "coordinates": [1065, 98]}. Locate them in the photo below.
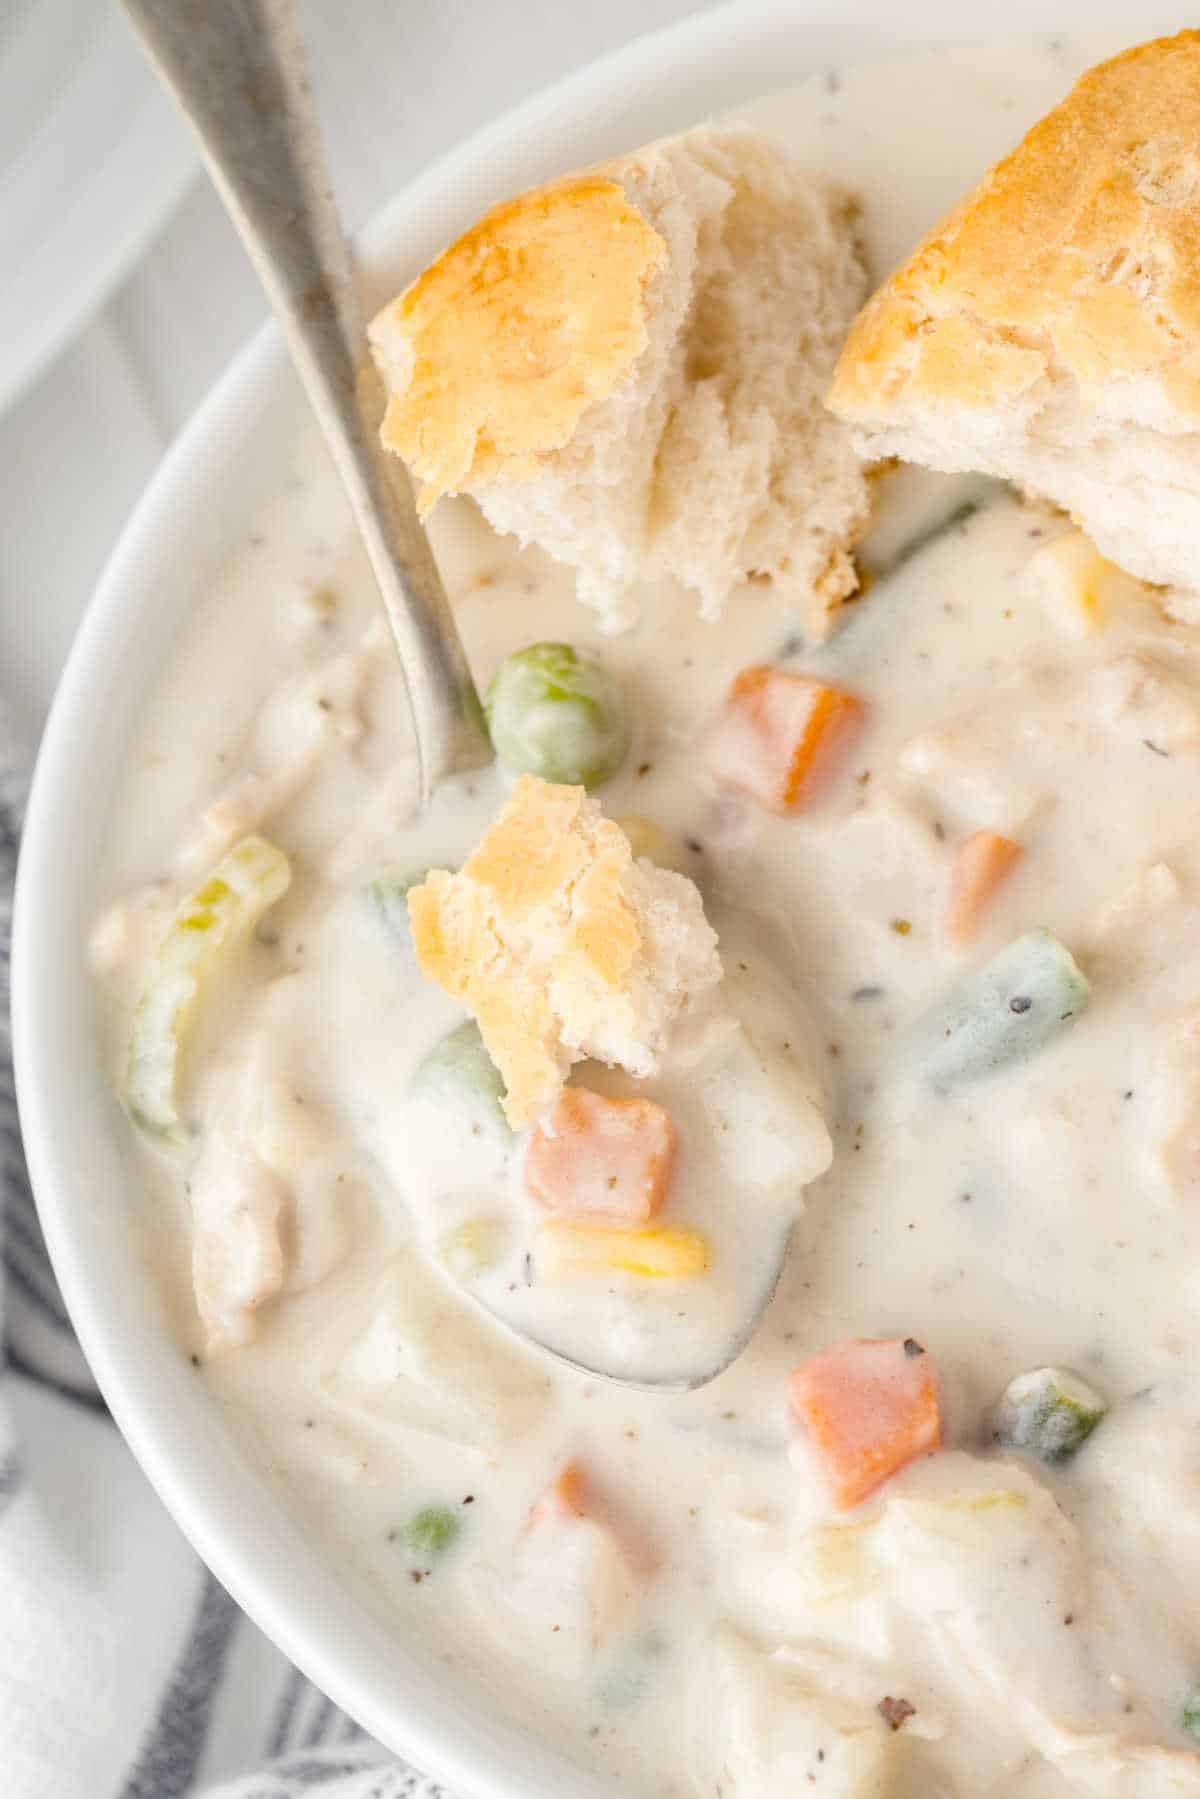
{"type": "Point", "coordinates": [716, 59]}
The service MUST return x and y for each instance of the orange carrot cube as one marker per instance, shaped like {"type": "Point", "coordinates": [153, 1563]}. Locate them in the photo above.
{"type": "Point", "coordinates": [980, 866]}
{"type": "Point", "coordinates": [869, 1407]}
{"type": "Point", "coordinates": [780, 734]}
{"type": "Point", "coordinates": [575, 1498]}
{"type": "Point", "coordinates": [565, 1497]}
{"type": "Point", "coordinates": [597, 1157]}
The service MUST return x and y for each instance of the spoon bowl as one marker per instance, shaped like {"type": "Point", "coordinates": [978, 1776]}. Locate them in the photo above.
{"type": "Point", "coordinates": [667, 1305]}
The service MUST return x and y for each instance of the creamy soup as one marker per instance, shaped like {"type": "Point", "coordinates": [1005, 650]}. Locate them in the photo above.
{"type": "Point", "coordinates": [667, 1582]}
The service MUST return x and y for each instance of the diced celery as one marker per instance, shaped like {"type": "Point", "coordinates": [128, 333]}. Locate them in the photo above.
{"type": "Point", "coordinates": [1007, 1009]}
{"type": "Point", "coordinates": [459, 1074]}
{"type": "Point", "coordinates": [430, 1533]}
{"type": "Point", "coordinates": [554, 713]}
{"type": "Point", "coordinates": [208, 924]}
{"type": "Point", "coordinates": [1048, 1412]}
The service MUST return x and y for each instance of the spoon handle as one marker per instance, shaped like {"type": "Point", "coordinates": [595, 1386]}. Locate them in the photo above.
{"type": "Point", "coordinates": [237, 70]}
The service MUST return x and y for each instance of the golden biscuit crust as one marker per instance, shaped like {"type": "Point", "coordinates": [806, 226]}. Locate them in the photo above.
{"type": "Point", "coordinates": [537, 917]}
{"type": "Point", "coordinates": [496, 351]}
{"type": "Point", "coordinates": [1079, 251]}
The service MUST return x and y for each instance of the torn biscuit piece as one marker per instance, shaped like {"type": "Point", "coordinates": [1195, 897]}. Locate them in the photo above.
{"type": "Point", "coordinates": [1046, 331]}
{"type": "Point", "coordinates": [495, 353]}
{"type": "Point", "coordinates": [561, 945]}
{"type": "Point", "coordinates": [626, 367]}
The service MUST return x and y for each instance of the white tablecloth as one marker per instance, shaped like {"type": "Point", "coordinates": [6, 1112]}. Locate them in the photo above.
{"type": "Point", "coordinates": [125, 1671]}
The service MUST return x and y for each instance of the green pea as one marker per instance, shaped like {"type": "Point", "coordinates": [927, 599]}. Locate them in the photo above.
{"type": "Point", "coordinates": [554, 713]}
{"type": "Point", "coordinates": [430, 1532]}
{"type": "Point", "coordinates": [1048, 1412]}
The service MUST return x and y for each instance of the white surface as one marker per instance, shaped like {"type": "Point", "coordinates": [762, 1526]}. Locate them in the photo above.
{"type": "Point", "coordinates": [399, 84]}
{"type": "Point", "coordinates": [75, 1149]}
{"type": "Point", "coordinates": [92, 159]}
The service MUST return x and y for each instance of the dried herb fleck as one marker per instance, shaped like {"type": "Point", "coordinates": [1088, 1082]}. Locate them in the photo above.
{"type": "Point", "coordinates": [895, 1711]}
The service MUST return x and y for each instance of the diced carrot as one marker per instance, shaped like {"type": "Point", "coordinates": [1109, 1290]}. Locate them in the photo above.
{"type": "Point", "coordinates": [980, 866]}
{"type": "Point", "coordinates": [574, 1496]}
{"type": "Point", "coordinates": [869, 1407]}
{"type": "Point", "coordinates": [780, 734]}
{"type": "Point", "coordinates": [597, 1157]}
{"type": "Point", "coordinates": [565, 1497]}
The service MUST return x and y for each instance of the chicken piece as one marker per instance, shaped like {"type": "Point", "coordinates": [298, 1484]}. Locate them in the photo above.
{"type": "Point", "coordinates": [238, 1265]}
{"type": "Point", "coordinates": [767, 1728]}
{"type": "Point", "coordinates": [1146, 700]}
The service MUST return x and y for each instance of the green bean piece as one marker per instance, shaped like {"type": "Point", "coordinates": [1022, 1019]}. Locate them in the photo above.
{"type": "Point", "coordinates": [1190, 1715]}
{"type": "Point", "coordinates": [430, 1533]}
{"type": "Point", "coordinates": [959, 515]}
{"type": "Point", "coordinates": [458, 1073]}
{"type": "Point", "coordinates": [389, 896]}
{"type": "Point", "coordinates": [1048, 1412]}
{"type": "Point", "coordinates": [1007, 1010]}
{"type": "Point", "coordinates": [559, 715]}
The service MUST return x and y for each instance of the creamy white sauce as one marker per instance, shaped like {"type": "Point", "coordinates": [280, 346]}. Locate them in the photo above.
{"type": "Point", "coordinates": [1038, 1620]}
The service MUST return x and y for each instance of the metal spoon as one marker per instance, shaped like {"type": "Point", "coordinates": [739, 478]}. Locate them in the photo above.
{"type": "Point", "coordinates": [237, 70]}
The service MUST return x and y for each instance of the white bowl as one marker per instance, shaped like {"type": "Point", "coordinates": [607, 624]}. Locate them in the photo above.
{"type": "Point", "coordinates": [203, 500]}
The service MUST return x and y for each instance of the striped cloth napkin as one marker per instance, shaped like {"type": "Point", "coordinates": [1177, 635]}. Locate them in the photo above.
{"type": "Point", "coordinates": [126, 1671]}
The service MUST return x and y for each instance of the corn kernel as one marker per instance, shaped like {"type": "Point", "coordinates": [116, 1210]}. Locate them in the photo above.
{"type": "Point", "coordinates": [472, 1247]}
{"type": "Point", "coordinates": [1067, 577]}
{"type": "Point", "coordinates": [650, 839]}
{"type": "Point", "coordinates": [563, 1247]}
